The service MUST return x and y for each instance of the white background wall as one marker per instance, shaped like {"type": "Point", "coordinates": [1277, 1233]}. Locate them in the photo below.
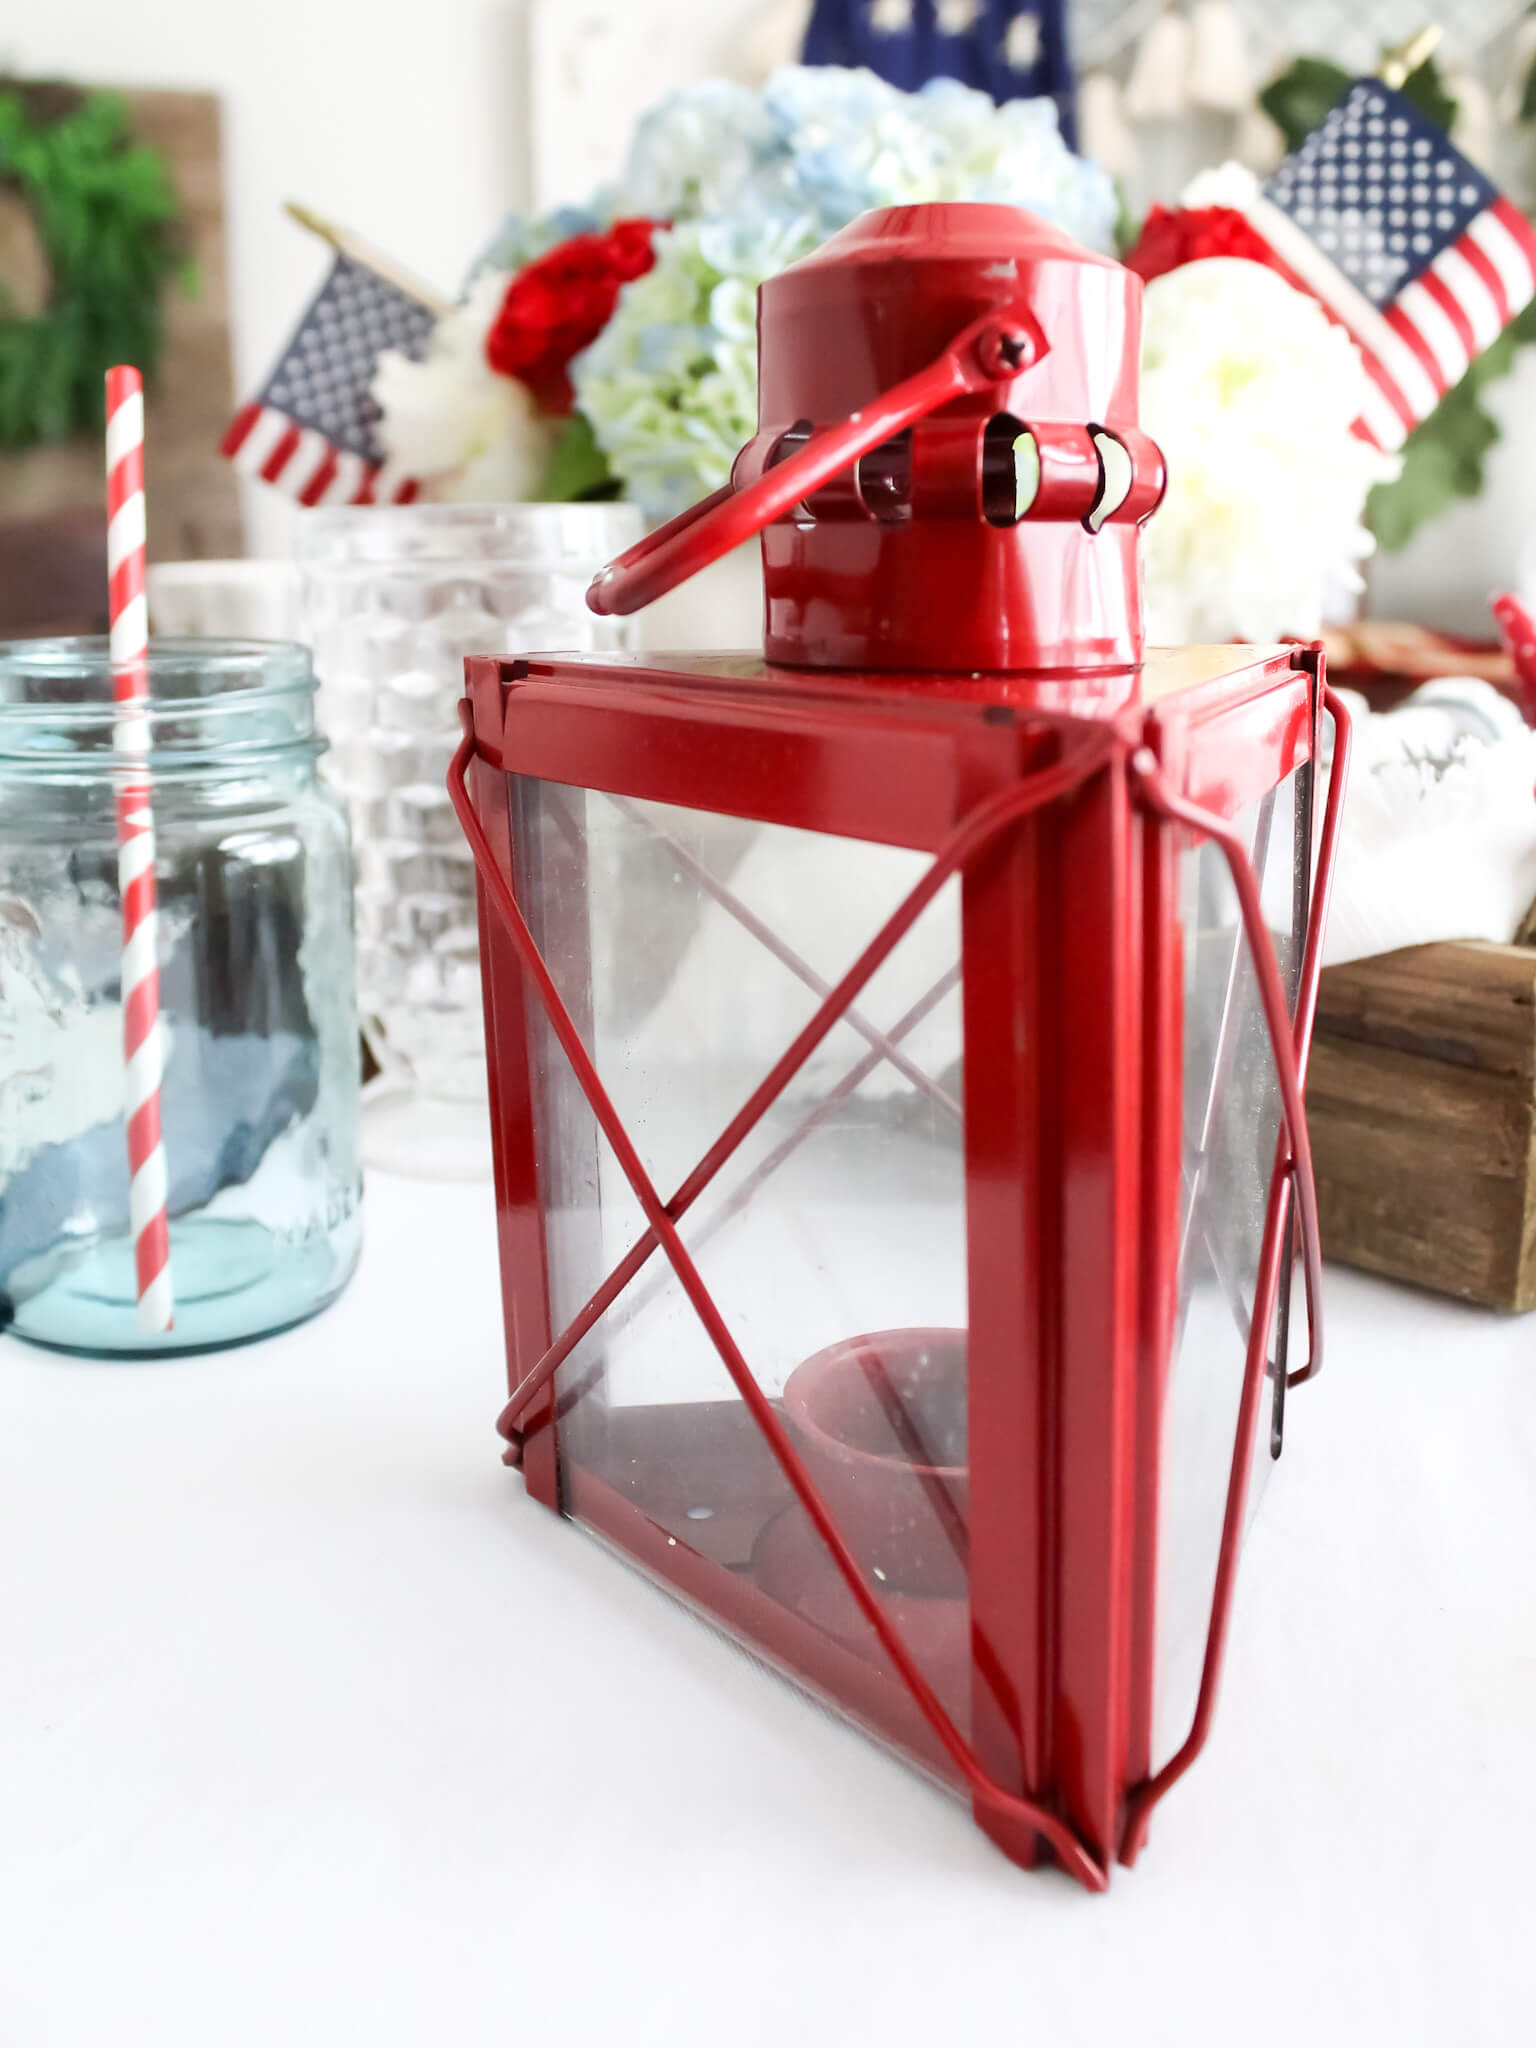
{"type": "Point", "coordinates": [405, 118]}
{"type": "Point", "coordinates": [421, 122]}
{"type": "Point", "coordinates": [409, 120]}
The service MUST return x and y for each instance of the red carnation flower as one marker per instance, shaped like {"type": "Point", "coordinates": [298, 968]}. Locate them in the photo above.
{"type": "Point", "coordinates": [554, 308]}
{"type": "Point", "coordinates": [1171, 238]}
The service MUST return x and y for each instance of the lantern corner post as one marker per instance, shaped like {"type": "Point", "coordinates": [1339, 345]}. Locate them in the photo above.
{"type": "Point", "coordinates": [520, 1234]}
{"type": "Point", "coordinates": [1100, 1104]}
{"type": "Point", "coordinates": [1053, 1096]}
{"type": "Point", "coordinates": [1004, 912]}
{"type": "Point", "coordinates": [1161, 976]}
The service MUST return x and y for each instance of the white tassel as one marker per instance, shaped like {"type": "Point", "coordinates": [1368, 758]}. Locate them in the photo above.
{"type": "Point", "coordinates": [1104, 133]}
{"type": "Point", "coordinates": [1220, 76]}
{"type": "Point", "coordinates": [773, 39]}
{"type": "Point", "coordinates": [1475, 129]}
{"type": "Point", "coordinates": [1258, 143]}
{"type": "Point", "coordinates": [1159, 82]}
{"type": "Point", "coordinates": [1522, 54]}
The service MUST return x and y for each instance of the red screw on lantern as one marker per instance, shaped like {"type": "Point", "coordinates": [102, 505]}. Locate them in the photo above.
{"type": "Point", "coordinates": [896, 1046]}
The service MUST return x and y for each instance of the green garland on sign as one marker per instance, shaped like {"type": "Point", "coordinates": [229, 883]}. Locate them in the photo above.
{"type": "Point", "coordinates": [107, 220]}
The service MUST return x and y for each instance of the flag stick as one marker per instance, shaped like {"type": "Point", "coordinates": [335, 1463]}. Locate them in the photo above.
{"type": "Point", "coordinates": [356, 250]}
{"type": "Point", "coordinates": [1398, 65]}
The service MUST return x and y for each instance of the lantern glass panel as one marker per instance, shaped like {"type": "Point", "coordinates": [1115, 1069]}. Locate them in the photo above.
{"type": "Point", "coordinates": [1231, 1124]}
{"type": "Point", "coordinates": [691, 950]}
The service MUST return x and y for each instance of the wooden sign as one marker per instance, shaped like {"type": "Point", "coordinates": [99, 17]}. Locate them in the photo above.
{"type": "Point", "coordinates": [53, 575]}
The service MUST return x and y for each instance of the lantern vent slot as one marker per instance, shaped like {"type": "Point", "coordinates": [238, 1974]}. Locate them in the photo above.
{"type": "Point", "coordinates": [790, 442]}
{"type": "Point", "coordinates": [1010, 470]}
{"type": "Point", "coordinates": [1117, 475]}
{"type": "Point", "coordinates": [884, 480]}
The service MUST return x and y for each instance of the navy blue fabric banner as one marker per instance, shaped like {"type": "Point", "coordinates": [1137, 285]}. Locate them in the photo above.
{"type": "Point", "coordinates": [1012, 49]}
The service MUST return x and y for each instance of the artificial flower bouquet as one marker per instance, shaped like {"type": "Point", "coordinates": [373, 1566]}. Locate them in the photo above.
{"type": "Point", "coordinates": [1253, 394]}
{"type": "Point", "coordinates": [612, 349]}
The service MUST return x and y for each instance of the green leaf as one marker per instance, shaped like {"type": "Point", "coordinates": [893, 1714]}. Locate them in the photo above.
{"type": "Point", "coordinates": [1445, 457]}
{"type": "Point", "coordinates": [1127, 221]}
{"type": "Point", "coordinates": [578, 468]}
{"type": "Point", "coordinates": [1528, 96]}
{"type": "Point", "coordinates": [107, 214]}
{"type": "Point", "coordinates": [1301, 98]}
{"type": "Point", "coordinates": [1442, 461]}
{"type": "Point", "coordinates": [1426, 90]}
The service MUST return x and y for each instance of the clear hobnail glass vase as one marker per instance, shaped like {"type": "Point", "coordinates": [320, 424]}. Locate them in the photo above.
{"type": "Point", "coordinates": [258, 1018]}
{"type": "Point", "coordinates": [392, 600]}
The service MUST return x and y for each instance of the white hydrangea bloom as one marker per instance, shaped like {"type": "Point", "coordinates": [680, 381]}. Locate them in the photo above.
{"type": "Point", "coordinates": [1229, 184]}
{"type": "Point", "coordinates": [469, 433]}
{"type": "Point", "coordinates": [670, 386]}
{"type": "Point", "coordinates": [1251, 392]}
{"type": "Point", "coordinates": [695, 152]}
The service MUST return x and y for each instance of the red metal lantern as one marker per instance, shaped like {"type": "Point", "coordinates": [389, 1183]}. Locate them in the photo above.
{"type": "Point", "coordinates": [896, 1046]}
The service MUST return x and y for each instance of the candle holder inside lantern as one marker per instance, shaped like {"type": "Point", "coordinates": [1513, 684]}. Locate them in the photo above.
{"type": "Point", "coordinates": [897, 1044]}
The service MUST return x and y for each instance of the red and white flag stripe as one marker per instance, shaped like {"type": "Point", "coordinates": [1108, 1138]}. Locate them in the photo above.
{"type": "Point", "coordinates": [300, 462]}
{"type": "Point", "coordinates": [1425, 342]}
{"type": "Point", "coordinates": [142, 1043]}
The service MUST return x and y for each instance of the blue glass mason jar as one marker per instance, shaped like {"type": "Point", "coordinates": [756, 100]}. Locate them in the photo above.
{"type": "Point", "coordinates": [259, 1100]}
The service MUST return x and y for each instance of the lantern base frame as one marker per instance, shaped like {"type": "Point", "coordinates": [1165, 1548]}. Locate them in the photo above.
{"type": "Point", "coordinates": [837, 1676]}
{"type": "Point", "coordinates": [1143, 742]}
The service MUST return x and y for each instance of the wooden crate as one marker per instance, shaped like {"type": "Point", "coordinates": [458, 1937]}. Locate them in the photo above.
{"type": "Point", "coordinates": [1421, 1099]}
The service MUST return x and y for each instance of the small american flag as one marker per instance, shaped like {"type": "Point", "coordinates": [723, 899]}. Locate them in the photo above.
{"type": "Point", "coordinates": [1405, 243]}
{"type": "Point", "coordinates": [311, 430]}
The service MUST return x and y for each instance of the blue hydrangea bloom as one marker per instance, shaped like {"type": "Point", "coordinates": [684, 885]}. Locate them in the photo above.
{"type": "Point", "coordinates": [751, 181]}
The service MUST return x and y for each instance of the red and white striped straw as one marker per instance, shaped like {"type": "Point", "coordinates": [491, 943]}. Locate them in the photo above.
{"type": "Point", "coordinates": [142, 1052]}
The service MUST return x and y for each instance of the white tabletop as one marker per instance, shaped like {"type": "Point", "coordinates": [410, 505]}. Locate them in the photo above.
{"type": "Point", "coordinates": [314, 1730]}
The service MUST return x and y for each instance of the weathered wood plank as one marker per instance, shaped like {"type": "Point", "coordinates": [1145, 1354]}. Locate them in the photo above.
{"type": "Point", "coordinates": [1465, 1002]}
{"type": "Point", "coordinates": [1458, 1236]}
{"type": "Point", "coordinates": [1420, 1102]}
{"type": "Point", "coordinates": [1412, 1113]}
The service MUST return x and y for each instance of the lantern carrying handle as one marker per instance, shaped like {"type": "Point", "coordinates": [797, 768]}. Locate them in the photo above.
{"type": "Point", "coordinates": [1293, 1183]}
{"type": "Point", "coordinates": [990, 351]}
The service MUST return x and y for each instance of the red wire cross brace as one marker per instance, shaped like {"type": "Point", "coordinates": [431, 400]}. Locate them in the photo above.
{"type": "Point", "coordinates": [1103, 753]}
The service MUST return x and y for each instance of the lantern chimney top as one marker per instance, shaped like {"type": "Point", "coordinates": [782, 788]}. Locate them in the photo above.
{"type": "Point", "coordinates": [948, 472]}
